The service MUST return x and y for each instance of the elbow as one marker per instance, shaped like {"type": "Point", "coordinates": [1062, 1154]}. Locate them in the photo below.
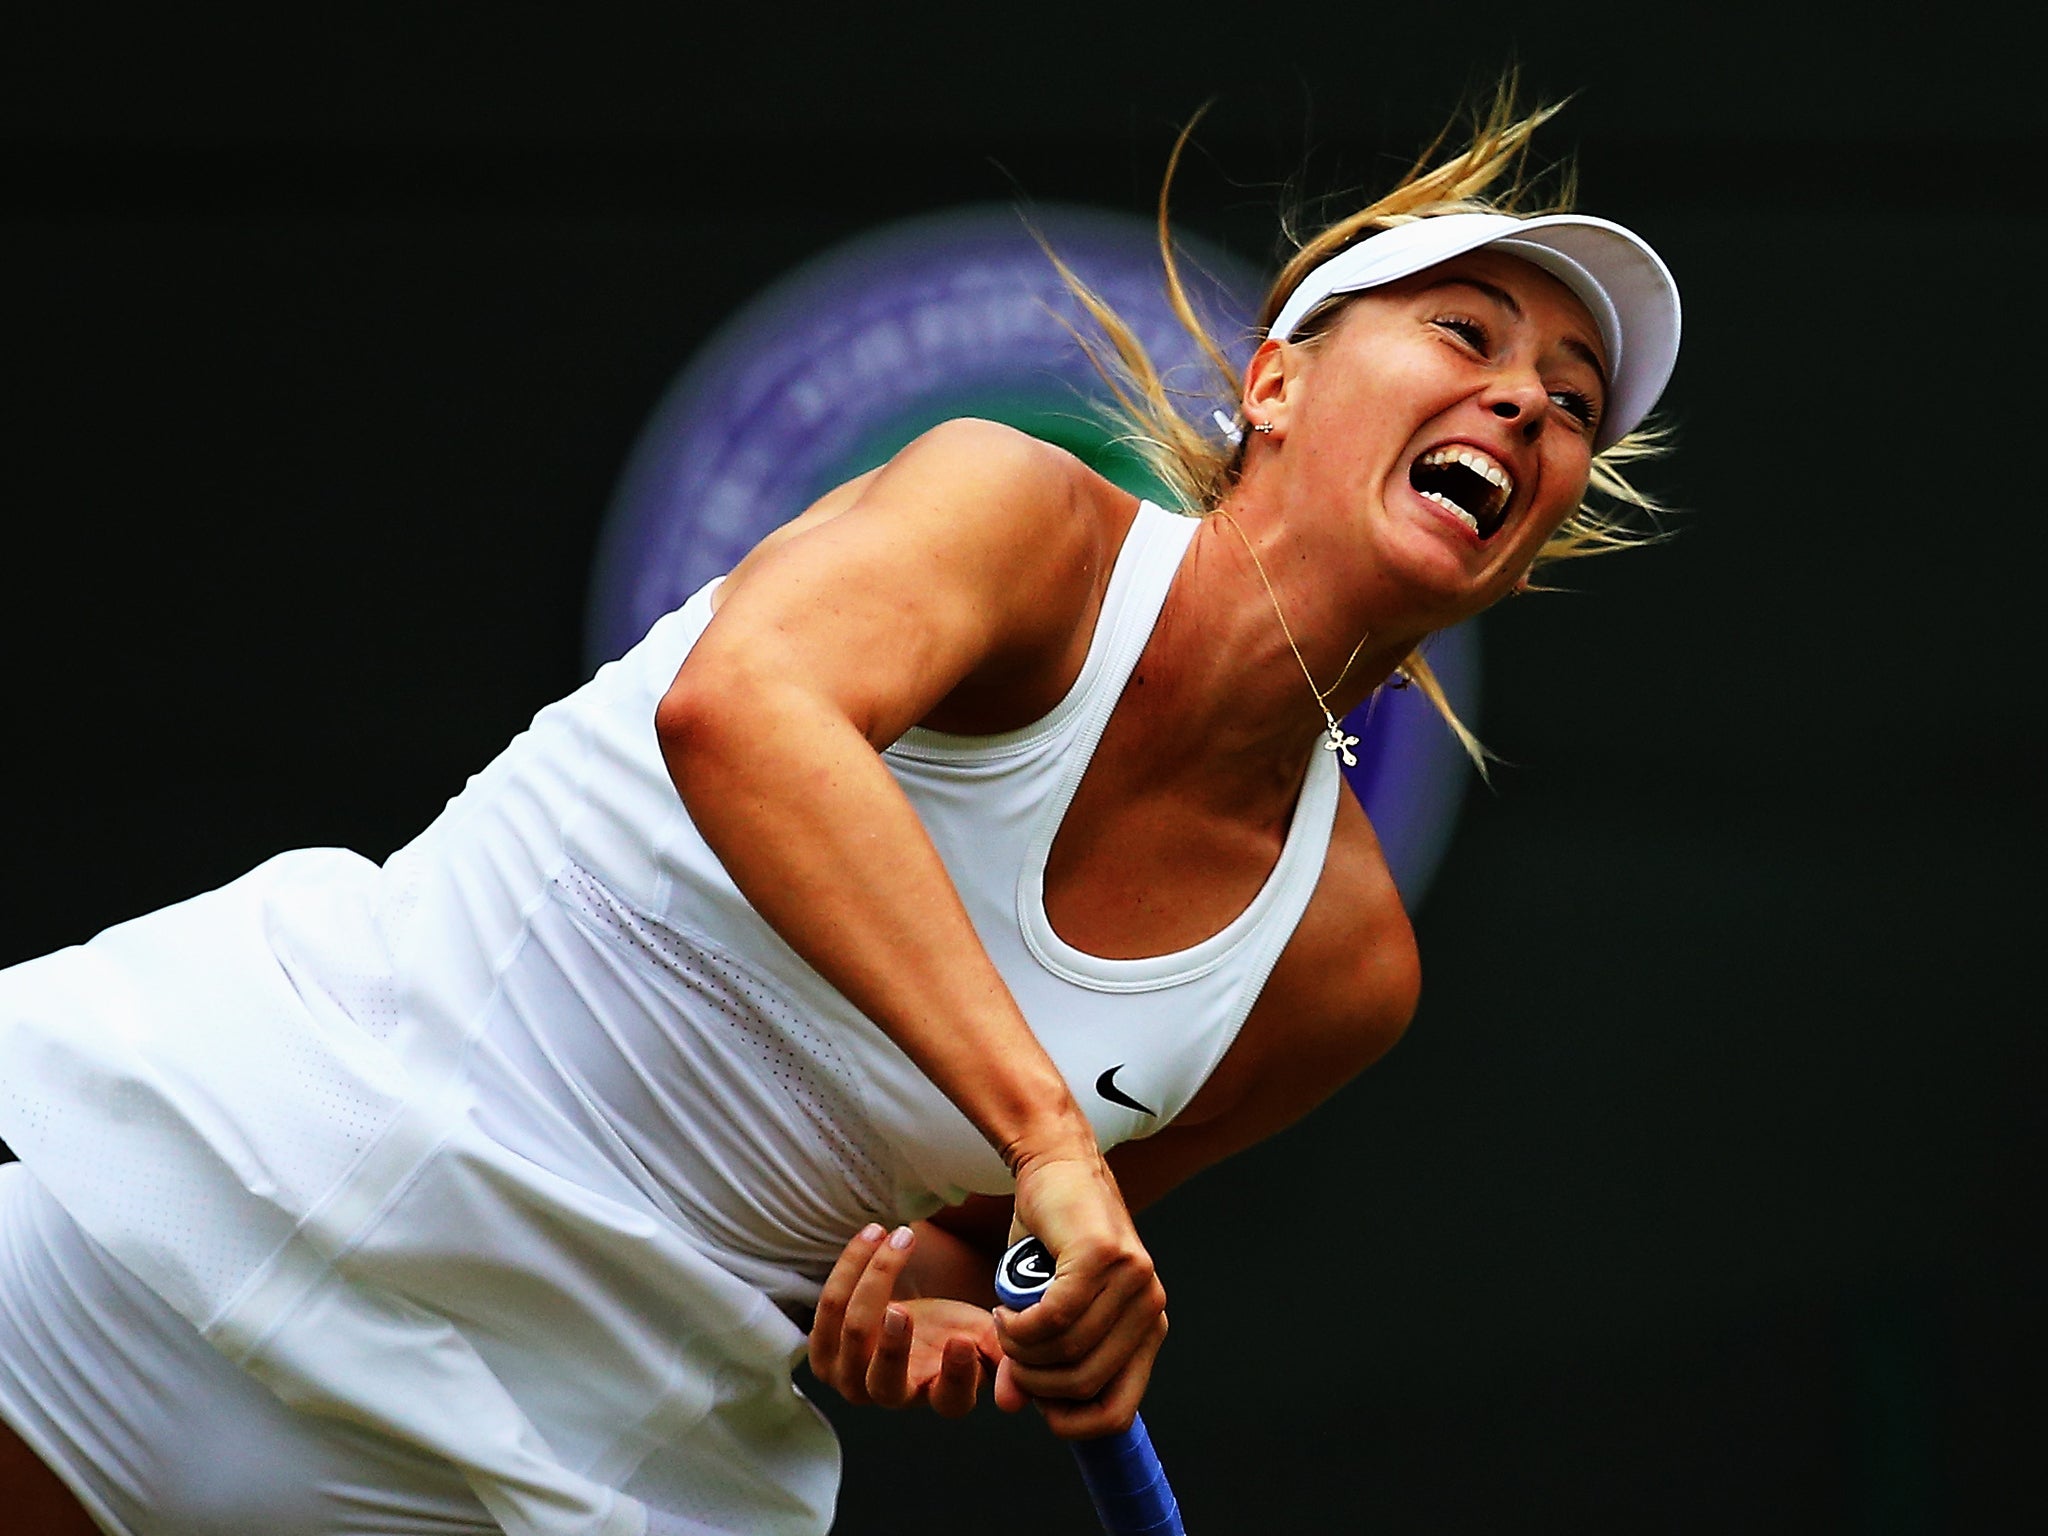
{"type": "Point", "coordinates": [701, 723]}
{"type": "Point", "coordinates": [685, 712]}
{"type": "Point", "coordinates": [735, 728]}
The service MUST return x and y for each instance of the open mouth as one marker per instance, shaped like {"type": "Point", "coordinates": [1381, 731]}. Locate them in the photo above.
{"type": "Point", "coordinates": [1467, 483]}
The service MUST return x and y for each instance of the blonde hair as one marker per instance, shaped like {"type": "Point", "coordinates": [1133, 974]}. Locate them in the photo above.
{"type": "Point", "coordinates": [1198, 467]}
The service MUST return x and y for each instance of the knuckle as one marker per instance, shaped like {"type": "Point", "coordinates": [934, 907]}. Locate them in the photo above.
{"type": "Point", "coordinates": [1136, 1282]}
{"type": "Point", "coordinates": [1048, 1385]}
{"type": "Point", "coordinates": [1091, 1381]}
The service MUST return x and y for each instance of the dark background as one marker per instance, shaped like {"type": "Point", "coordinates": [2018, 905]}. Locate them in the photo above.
{"type": "Point", "coordinates": [1699, 1197]}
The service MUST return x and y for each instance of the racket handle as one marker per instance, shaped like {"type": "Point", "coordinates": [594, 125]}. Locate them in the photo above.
{"type": "Point", "coordinates": [1121, 1471]}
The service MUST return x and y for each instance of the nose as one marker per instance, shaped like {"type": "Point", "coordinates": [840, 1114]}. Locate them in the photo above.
{"type": "Point", "coordinates": [1521, 399]}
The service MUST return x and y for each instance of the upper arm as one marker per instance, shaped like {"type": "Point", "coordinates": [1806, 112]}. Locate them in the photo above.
{"type": "Point", "coordinates": [1341, 996]}
{"type": "Point", "coordinates": [971, 560]}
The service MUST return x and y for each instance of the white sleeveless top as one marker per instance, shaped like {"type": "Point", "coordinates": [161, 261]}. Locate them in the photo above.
{"type": "Point", "coordinates": [516, 1146]}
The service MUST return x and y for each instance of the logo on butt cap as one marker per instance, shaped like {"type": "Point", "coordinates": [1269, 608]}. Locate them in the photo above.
{"type": "Point", "coordinates": [1025, 1272]}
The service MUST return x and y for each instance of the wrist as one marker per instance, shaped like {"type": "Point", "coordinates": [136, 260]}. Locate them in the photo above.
{"type": "Point", "coordinates": [1059, 1135]}
{"type": "Point", "coordinates": [1026, 1110]}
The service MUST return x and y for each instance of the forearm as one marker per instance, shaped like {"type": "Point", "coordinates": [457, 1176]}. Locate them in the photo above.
{"type": "Point", "coordinates": [817, 835]}
{"type": "Point", "coordinates": [948, 1265]}
{"type": "Point", "coordinates": [966, 579]}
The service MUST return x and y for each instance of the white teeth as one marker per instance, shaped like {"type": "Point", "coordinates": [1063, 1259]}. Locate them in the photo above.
{"type": "Point", "coordinates": [1486, 469]}
{"type": "Point", "coordinates": [1453, 508]}
{"type": "Point", "coordinates": [1479, 463]}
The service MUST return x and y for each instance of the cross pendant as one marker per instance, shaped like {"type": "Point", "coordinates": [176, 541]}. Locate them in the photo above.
{"type": "Point", "coordinates": [1336, 741]}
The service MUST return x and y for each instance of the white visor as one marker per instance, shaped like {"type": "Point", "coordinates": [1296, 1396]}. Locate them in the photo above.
{"type": "Point", "coordinates": [1624, 285]}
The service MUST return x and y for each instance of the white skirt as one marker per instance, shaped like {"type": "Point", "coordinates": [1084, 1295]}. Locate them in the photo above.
{"type": "Point", "coordinates": [158, 1433]}
{"type": "Point", "coordinates": [362, 1237]}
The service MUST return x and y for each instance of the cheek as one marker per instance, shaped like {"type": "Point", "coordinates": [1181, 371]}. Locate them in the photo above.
{"type": "Point", "coordinates": [1565, 478]}
{"type": "Point", "coordinates": [1370, 417]}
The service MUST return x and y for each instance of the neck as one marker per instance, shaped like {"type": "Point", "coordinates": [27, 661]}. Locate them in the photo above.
{"type": "Point", "coordinates": [1319, 693]}
{"type": "Point", "coordinates": [1236, 684]}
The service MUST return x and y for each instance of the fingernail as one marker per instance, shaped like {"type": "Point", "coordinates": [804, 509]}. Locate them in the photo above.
{"type": "Point", "coordinates": [894, 1323]}
{"type": "Point", "coordinates": [900, 1238]}
{"type": "Point", "coordinates": [871, 1233]}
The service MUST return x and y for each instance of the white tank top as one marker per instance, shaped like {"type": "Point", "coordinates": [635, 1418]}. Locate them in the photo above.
{"type": "Point", "coordinates": [548, 1076]}
{"type": "Point", "coordinates": [725, 1073]}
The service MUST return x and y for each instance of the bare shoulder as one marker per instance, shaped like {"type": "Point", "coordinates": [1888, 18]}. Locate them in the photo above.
{"type": "Point", "coordinates": [995, 470]}
{"type": "Point", "coordinates": [1341, 995]}
{"type": "Point", "coordinates": [1351, 976]}
{"type": "Point", "coordinates": [955, 586]}
{"type": "Point", "coordinates": [978, 488]}
{"type": "Point", "coordinates": [992, 448]}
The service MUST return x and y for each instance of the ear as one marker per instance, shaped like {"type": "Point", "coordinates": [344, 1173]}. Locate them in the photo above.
{"type": "Point", "coordinates": [1268, 385]}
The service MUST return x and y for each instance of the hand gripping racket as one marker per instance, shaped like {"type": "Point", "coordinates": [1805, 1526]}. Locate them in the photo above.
{"type": "Point", "coordinates": [1122, 1472]}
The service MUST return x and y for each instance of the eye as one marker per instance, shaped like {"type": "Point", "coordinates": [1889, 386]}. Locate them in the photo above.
{"type": "Point", "coordinates": [1580, 407]}
{"type": "Point", "coordinates": [1467, 330]}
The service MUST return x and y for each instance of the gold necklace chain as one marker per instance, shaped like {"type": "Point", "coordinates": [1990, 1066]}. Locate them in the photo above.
{"type": "Point", "coordinates": [1334, 739]}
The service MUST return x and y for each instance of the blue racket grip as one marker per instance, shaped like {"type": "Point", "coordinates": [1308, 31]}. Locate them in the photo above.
{"type": "Point", "coordinates": [1122, 1472]}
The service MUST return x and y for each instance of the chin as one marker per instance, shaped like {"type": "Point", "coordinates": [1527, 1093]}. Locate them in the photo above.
{"type": "Point", "coordinates": [1443, 574]}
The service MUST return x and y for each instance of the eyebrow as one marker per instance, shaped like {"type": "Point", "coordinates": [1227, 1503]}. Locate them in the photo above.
{"type": "Point", "coordinates": [1507, 301]}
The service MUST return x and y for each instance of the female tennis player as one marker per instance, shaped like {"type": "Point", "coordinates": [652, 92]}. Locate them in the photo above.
{"type": "Point", "coordinates": [973, 855]}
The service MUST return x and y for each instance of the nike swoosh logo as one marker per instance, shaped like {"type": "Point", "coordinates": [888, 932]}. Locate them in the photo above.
{"type": "Point", "coordinates": [1106, 1086]}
